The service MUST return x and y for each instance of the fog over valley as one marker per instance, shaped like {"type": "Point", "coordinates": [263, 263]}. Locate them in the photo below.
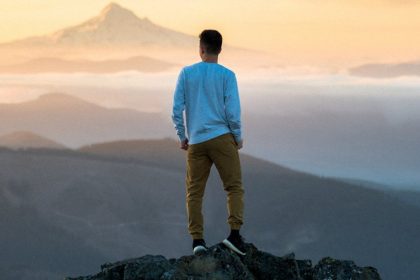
{"type": "Point", "coordinates": [327, 124]}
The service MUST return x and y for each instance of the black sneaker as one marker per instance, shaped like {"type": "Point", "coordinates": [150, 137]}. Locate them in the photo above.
{"type": "Point", "coordinates": [199, 245]}
{"type": "Point", "coordinates": [236, 244]}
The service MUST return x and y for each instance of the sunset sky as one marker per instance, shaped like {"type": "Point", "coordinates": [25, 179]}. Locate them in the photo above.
{"type": "Point", "coordinates": [310, 31]}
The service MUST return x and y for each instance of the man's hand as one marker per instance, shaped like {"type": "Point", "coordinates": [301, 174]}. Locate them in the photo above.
{"type": "Point", "coordinates": [184, 144]}
{"type": "Point", "coordinates": [239, 144]}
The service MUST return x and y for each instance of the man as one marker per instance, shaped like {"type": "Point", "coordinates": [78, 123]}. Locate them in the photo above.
{"type": "Point", "coordinates": [208, 93]}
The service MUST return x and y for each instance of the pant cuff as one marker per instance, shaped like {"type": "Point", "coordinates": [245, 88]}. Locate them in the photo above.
{"type": "Point", "coordinates": [197, 236]}
{"type": "Point", "coordinates": [235, 226]}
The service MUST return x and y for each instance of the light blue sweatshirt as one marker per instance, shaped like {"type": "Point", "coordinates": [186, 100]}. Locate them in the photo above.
{"type": "Point", "coordinates": [208, 92]}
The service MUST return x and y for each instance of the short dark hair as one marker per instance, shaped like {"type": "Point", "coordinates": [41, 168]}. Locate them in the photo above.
{"type": "Point", "coordinates": [212, 40]}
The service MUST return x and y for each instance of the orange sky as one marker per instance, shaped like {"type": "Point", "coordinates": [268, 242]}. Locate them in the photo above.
{"type": "Point", "coordinates": [301, 31]}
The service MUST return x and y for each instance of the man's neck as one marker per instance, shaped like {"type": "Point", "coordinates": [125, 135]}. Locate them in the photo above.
{"type": "Point", "coordinates": [211, 59]}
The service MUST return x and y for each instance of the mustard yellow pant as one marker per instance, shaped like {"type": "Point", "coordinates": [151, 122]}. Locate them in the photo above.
{"type": "Point", "coordinates": [221, 151]}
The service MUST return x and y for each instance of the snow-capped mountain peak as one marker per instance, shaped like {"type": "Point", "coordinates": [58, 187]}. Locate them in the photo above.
{"type": "Point", "coordinates": [118, 25]}
{"type": "Point", "coordinates": [116, 14]}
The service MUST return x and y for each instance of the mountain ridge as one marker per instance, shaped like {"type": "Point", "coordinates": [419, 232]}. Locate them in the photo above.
{"type": "Point", "coordinates": [136, 202]}
{"type": "Point", "coordinates": [74, 121]}
{"type": "Point", "coordinates": [114, 24]}
{"type": "Point", "coordinates": [59, 65]}
{"type": "Point", "coordinates": [118, 33]}
{"type": "Point", "coordinates": [386, 70]}
{"type": "Point", "coordinates": [27, 139]}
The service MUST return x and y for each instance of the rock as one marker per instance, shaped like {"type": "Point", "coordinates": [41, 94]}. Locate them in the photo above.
{"type": "Point", "coordinates": [221, 263]}
{"type": "Point", "coordinates": [329, 268]}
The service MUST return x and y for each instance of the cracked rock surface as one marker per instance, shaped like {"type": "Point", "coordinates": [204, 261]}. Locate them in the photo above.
{"type": "Point", "coordinates": [221, 263]}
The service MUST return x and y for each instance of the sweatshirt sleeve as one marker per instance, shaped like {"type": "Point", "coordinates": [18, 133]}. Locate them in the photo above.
{"type": "Point", "coordinates": [233, 107]}
{"type": "Point", "coordinates": [179, 106]}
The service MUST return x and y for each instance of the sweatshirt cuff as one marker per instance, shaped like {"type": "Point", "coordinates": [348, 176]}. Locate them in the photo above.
{"type": "Point", "coordinates": [182, 137]}
{"type": "Point", "coordinates": [238, 138]}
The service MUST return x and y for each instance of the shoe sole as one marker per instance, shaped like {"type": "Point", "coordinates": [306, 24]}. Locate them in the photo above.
{"type": "Point", "coordinates": [232, 247]}
{"type": "Point", "coordinates": [198, 249]}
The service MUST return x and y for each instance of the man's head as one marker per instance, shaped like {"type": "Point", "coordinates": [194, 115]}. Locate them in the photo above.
{"type": "Point", "coordinates": [210, 43]}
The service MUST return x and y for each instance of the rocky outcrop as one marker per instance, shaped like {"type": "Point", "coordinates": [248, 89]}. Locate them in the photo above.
{"type": "Point", "coordinates": [221, 263]}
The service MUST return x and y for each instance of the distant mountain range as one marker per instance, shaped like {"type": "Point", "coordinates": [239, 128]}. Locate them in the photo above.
{"type": "Point", "coordinates": [115, 25]}
{"type": "Point", "coordinates": [75, 122]}
{"type": "Point", "coordinates": [114, 40]}
{"type": "Point", "coordinates": [386, 70]}
{"type": "Point", "coordinates": [65, 212]}
{"type": "Point", "coordinates": [341, 143]}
